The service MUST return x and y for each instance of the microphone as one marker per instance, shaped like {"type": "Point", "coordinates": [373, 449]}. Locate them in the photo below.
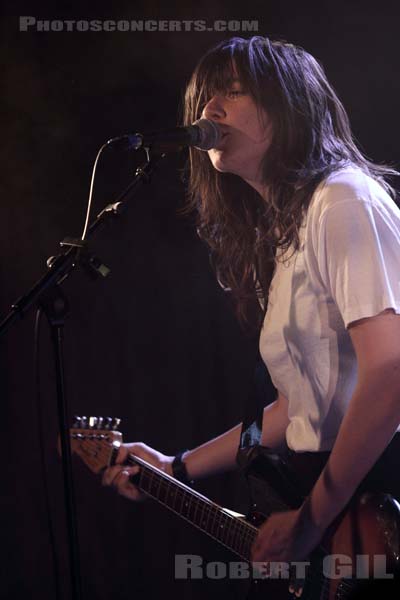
{"type": "Point", "coordinates": [203, 134]}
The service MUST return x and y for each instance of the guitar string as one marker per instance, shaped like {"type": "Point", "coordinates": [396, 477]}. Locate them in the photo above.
{"type": "Point", "coordinates": [202, 513]}
{"type": "Point", "coordinates": [193, 522]}
{"type": "Point", "coordinates": [313, 574]}
{"type": "Point", "coordinates": [229, 527]}
{"type": "Point", "coordinates": [246, 531]}
{"type": "Point", "coordinates": [194, 496]}
{"type": "Point", "coordinates": [247, 537]}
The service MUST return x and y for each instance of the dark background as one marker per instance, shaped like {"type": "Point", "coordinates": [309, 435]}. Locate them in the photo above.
{"type": "Point", "coordinates": [156, 343]}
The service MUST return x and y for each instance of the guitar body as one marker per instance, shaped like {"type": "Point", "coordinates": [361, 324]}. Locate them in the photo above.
{"type": "Point", "coordinates": [360, 550]}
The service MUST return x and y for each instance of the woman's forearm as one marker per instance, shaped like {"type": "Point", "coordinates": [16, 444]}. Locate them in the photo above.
{"type": "Point", "coordinates": [219, 454]}
{"type": "Point", "coordinates": [363, 436]}
{"type": "Point", "coordinates": [215, 456]}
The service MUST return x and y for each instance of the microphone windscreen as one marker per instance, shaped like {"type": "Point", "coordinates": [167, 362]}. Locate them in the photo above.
{"type": "Point", "coordinates": [209, 134]}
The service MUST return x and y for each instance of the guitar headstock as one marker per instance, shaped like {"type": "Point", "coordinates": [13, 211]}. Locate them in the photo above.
{"type": "Point", "coordinates": [96, 441]}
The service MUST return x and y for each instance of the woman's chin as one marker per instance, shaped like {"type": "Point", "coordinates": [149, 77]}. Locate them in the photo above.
{"type": "Point", "coordinates": [220, 164]}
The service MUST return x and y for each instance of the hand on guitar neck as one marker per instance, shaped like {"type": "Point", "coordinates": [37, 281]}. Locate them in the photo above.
{"type": "Point", "coordinates": [214, 456]}
{"type": "Point", "coordinates": [281, 525]}
{"type": "Point", "coordinates": [118, 476]}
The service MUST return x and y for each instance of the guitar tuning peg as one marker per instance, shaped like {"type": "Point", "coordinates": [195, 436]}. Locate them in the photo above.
{"type": "Point", "coordinates": [84, 422]}
{"type": "Point", "coordinates": [76, 422]}
{"type": "Point", "coordinates": [108, 423]}
{"type": "Point", "coordinates": [100, 422]}
{"type": "Point", "coordinates": [115, 423]}
{"type": "Point", "coordinates": [92, 422]}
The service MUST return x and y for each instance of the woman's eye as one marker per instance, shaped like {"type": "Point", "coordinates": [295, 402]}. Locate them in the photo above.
{"type": "Point", "coordinates": [233, 94]}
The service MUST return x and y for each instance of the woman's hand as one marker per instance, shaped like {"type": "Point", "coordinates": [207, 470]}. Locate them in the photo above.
{"type": "Point", "coordinates": [286, 536]}
{"type": "Point", "coordinates": [118, 475]}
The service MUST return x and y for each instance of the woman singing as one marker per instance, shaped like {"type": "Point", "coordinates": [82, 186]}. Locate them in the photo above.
{"type": "Point", "coordinates": [302, 225]}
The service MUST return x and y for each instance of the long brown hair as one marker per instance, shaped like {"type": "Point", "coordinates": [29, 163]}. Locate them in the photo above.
{"type": "Point", "coordinates": [311, 139]}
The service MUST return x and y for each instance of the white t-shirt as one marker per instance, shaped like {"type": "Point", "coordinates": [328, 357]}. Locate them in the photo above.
{"type": "Point", "coordinates": [347, 268]}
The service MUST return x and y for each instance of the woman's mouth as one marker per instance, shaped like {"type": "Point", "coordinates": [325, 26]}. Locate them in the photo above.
{"type": "Point", "coordinates": [221, 142]}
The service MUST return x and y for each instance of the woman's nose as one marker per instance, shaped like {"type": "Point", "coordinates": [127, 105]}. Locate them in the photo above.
{"type": "Point", "coordinates": [214, 109]}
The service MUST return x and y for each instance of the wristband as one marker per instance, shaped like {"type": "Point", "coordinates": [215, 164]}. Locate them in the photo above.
{"type": "Point", "coordinates": [179, 470]}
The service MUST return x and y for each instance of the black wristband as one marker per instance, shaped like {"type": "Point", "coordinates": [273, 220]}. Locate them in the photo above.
{"type": "Point", "coordinates": [179, 471]}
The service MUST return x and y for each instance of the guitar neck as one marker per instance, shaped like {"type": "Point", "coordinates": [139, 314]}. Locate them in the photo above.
{"type": "Point", "coordinates": [217, 522]}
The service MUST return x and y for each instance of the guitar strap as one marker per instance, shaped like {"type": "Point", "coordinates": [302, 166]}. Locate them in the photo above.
{"type": "Point", "coordinates": [262, 393]}
{"type": "Point", "coordinates": [384, 475]}
{"type": "Point", "coordinates": [271, 483]}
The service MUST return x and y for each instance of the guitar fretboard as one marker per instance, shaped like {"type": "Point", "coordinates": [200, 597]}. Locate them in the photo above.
{"type": "Point", "coordinates": [231, 531]}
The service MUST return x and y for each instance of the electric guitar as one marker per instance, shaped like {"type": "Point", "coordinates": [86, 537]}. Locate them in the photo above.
{"type": "Point", "coordinates": [366, 535]}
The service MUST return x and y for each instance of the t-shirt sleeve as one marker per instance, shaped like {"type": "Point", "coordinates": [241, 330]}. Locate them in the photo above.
{"type": "Point", "coordinates": [357, 249]}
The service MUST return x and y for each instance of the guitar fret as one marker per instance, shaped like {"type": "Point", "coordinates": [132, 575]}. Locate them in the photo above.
{"type": "Point", "coordinates": [232, 532]}
{"type": "Point", "coordinates": [98, 450]}
{"type": "Point", "coordinates": [163, 492]}
{"type": "Point", "coordinates": [193, 509]}
{"type": "Point", "coordinates": [186, 504]}
{"type": "Point", "coordinates": [214, 525]}
{"type": "Point", "coordinates": [210, 511]}
{"type": "Point", "coordinates": [169, 489]}
{"type": "Point", "coordinates": [182, 496]}
{"type": "Point", "coordinates": [248, 540]}
{"type": "Point", "coordinates": [200, 522]}
{"type": "Point", "coordinates": [243, 545]}
{"type": "Point", "coordinates": [228, 530]}
{"type": "Point", "coordinates": [235, 532]}
{"type": "Point", "coordinates": [241, 539]}
{"type": "Point", "coordinates": [175, 498]}
{"type": "Point", "coordinates": [196, 508]}
{"type": "Point", "coordinates": [159, 487]}
{"type": "Point", "coordinates": [223, 530]}
{"type": "Point", "coordinates": [220, 530]}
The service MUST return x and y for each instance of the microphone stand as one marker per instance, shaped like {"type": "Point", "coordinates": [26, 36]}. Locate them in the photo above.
{"type": "Point", "coordinates": [48, 295]}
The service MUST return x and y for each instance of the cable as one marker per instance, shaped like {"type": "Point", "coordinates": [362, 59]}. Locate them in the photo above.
{"type": "Point", "coordinates": [91, 189]}
{"type": "Point", "coordinates": [38, 396]}
{"type": "Point", "coordinates": [36, 359]}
